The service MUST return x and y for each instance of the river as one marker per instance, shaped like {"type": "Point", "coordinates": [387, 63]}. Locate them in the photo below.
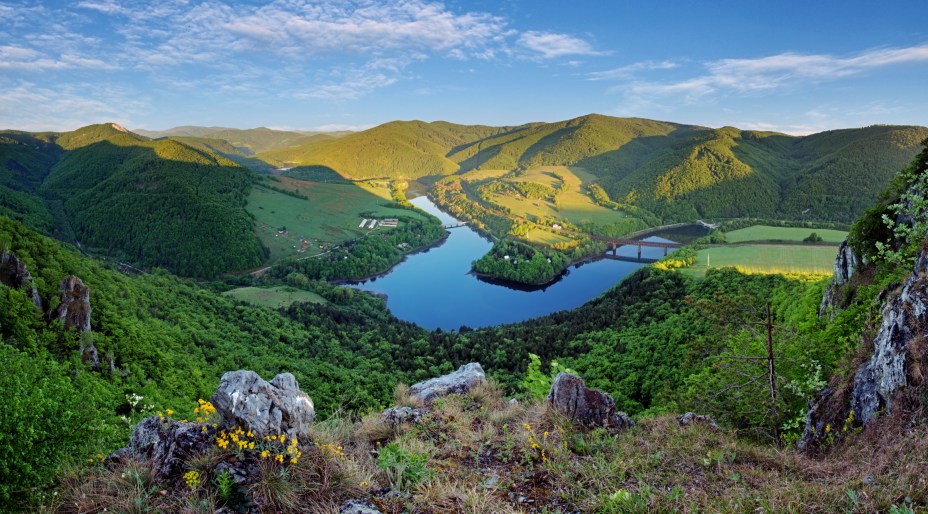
{"type": "Point", "coordinates": [434, 289]}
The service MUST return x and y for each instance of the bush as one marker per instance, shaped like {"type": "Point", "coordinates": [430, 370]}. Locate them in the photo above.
{"type": "Point", "coordinates": [50, 415]}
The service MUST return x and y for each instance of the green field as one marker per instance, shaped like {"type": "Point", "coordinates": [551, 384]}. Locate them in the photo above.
{"type": "Point", "coordinates": [767, 233]}
{"type": "Point", "coordinates": [767, 258]}
{"type": "Point", "coordinates": [274, 297]}
{"type": "Point", "coordinates": [330, 215]}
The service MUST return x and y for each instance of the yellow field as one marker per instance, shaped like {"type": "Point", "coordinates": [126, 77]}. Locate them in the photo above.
{"type": "Point", "coordinates": [545, 237]}
{"type": "Point", "coordinates": [767, 259]}
{"type": "Point", "coordinates": [573, 205]}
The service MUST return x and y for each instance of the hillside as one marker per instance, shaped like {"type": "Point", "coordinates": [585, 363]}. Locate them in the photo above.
{"type": "Point", "coordinates": [25, 160]}
{"type": "Point", "coordinates": [659, 342]}
{"type": "Point", "coordinates": [154, 203]}
{"type": "Point", "coordinates": [248, 141]}
{"type": "Point", "coordinates": [680, 172]}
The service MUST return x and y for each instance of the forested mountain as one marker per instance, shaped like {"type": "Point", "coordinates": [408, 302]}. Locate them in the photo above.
{"type": "Point", "coordinates": [154, 203]}
{"type": "Point", "coordinates": [679, 172]}
{"type": "Point", "coordinates": [249, 141]}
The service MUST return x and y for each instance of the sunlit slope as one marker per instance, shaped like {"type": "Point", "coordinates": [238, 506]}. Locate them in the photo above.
{"type": "Point", "coordinates": [156, 203]}
{"type": "Point", "coordinates": [399, 149]}
{"type": "Point", "coordinates": [249, 141]}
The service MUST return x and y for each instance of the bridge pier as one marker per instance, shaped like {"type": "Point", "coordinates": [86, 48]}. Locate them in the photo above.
{"type": "Point", "coordinates": [614, 246]}
{"type": "Point", "coordinates": [665, 251]}
{"type": "Point", "coordinates": [639, 252]}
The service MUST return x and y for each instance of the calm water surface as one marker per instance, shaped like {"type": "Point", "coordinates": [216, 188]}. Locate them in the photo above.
{"type": "Point", "coordinates": [434, 290]}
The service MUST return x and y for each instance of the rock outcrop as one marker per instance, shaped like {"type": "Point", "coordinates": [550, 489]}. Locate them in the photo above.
{"type": "Point", "coordinates": [570, 397]}
{"type": "Point", "coordinates": [358, 507]}
{"type": "Point", "coordinates": [266, 408]}
{"type": "Point", "coordinates": [166, 444]}
{"type": "Point", "coordinates": [74, 309]}
{"type": "Point", "coordinates": [899, 342]}
{"type": "Point", "coordinates": [691, 418]}
{"type": "Point", "coordinates": [14, 274]}
{"type": "Point", "coordinates": [400, 415]}
{"type": "Point", "coordinates": [458, 382]}
{"type": "Point", "coordinates": [846, 265]}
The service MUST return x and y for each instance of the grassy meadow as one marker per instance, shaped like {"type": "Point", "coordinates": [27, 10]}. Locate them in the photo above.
{"type": "Point", "coordinates": [273, 297]}
{"type": "Point", "coordinates": [768, 233]}
{"type": "Point", "coordinates": [330, 214]}
{"type": "Point", "coordinates": [767, 258]}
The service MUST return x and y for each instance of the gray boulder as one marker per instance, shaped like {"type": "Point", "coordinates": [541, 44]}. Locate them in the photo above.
{"type": "Point", "coordinates": [464, 379]}
{"type": "Point", "coordinates": [166, 444]}
{"type": "Point", "coordinates": [266, 408]}
{"type": "Point", "coordinates": [846, 264]}
{"type": "Point", "coordinates": [358, 507]}
{"type": "Point", "coordinates": [570, 397]}
{"type": "Point", "coordinates": [400, 415]}
{"type": "Point", "coordinates": [691, 418]}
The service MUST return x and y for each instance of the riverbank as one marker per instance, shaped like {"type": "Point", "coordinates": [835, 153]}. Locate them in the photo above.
{"type": "Point", "coordinates": [402, 259]}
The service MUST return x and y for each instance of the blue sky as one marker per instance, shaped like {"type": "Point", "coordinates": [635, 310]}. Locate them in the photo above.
{"type": "Point", "coordinates": [796, 67]}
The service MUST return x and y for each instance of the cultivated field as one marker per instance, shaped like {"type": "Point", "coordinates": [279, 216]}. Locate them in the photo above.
{"type": "Point", "coordinates": [274, 297]}
{"type": "Point", "coordinates": [573, 205]}
{"type": "Point", "coordinates": [330, 215]}
{"type": "Point", "coordinates": [767, 258]}
{"type": "Point", "coordinates": [767, 233]}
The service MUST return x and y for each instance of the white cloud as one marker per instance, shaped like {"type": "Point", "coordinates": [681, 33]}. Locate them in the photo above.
{"type": "Point", "coordinates": [781, 70]}
{"type": "Point", "coordinates": [551, 45]}
{"type": "Point", "coordinates": [628, 71]}
{"type": "Point", "coordinates": [26, 106]}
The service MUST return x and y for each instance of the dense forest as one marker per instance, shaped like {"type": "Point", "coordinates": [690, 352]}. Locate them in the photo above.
{"type": "Point", "coordinates": [679, 172]}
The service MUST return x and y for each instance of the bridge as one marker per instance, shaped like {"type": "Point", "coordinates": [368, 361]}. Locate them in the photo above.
{"type": "Point", "coordinates": [455, 225]}
{"type": "Point", "coordinates": [617, 242]}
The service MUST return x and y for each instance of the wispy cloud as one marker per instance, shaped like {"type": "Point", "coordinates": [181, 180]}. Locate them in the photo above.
{"type": "Point", "coordinates": [552, 45]}
{"type": "Point", "coordinates": [26, 106]}
{"type": "Point", "coordinates": [628, 71]}
{"type": "Point", "coordinates": [781, 71]}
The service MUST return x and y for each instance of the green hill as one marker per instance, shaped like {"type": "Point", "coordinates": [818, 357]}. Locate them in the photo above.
{"type": "Point", "coordinates": [25, 160]}
{"type": "Point", "coordinates": [156, 203]}
{"type": "Point", "coordinates": [680, 172]}
{"type": "Point", "coordinates": [248, 141]}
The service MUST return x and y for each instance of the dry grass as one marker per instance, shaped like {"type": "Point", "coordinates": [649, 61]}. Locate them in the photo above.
{"type": "Point", "coordinates": [485, 455]}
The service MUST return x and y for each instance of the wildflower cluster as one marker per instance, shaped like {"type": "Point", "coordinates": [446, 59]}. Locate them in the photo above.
{"type": "Point", "coordinates": [96, 458]}
{"type": "Point", "coordinates": [538, 449]}
{"type": "Point", "coordinates": [192, 479]}
{"type": "Point", "coordinates": [204, 411]}
{"type": "Point", "coordinates": [336, 451]}
{"type": "Point", "coordinates": [275, 447]}
{"type": "Point", "coordinates": [237, 438]}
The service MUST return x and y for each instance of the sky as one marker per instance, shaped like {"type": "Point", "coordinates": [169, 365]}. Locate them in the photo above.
{"type": "Point", "coordinates": [791, 66]}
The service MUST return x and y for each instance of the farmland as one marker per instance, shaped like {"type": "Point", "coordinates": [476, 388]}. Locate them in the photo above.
{"type": "Point", "coordinates": [768, 233]}
{"type": "Point", "coordinates": [273, 297]}
{"type": "Point", "coordinates": [316, 214]}
{"type": "Point", "coordinates": [767, 259]}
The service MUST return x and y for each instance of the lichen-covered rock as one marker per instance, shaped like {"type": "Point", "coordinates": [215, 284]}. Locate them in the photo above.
{"type": "Point", "coordinates": [570, 397]}
{"type": "Point", "coordinates": [358, 507]}
{"type": "Point", "coordinates": [886, 372]}
{"type": "Point", "coordinates": [846, 264]}
{"type": "Point", "coordinates": [266, 408]}
{"type": "Point", "coordinates": [74, 309]}
{"type": "Point", "coordinates": [400, 415]}
{"type": "Point", "coordinates": [166, 444]}
{"type": "Point", "coordinates": [14, 274]}
{"type": "Point", "coordinates": [464, 379]}
{"type": "Point", "coordinates": [691, 418]}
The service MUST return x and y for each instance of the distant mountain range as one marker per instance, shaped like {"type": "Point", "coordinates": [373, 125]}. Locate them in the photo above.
{"type": "Point", "coordinates": [678, 172]}
{"type": "Point", "coordinates": [247, 141]}
{"type": "Point", "coordinates": [177, 201]}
